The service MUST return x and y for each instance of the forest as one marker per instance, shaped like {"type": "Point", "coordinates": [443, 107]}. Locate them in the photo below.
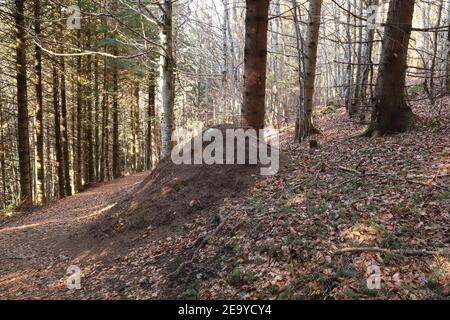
{"type": "Point", "coordinates": [351, 97]}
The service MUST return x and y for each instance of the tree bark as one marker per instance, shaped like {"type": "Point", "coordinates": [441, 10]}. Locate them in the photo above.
{"type": "Point", "coordinates": [117, 172]}
{"type": "Point", "coordinates": [23, 145]}
{"type": "Point", "coordinates": [391, 113]}
{"type": "Point", "coordinates": [151, 115]}
{"type": "Point", "coordinates": [58, 146]}
{"type": "Point", "coordinates": [96, 120]}
{"type": "Point", "coordinates": [89, 141]}
{"type": "Point", "coordinates": [39, 114]}
{"type": "Point", "coordinates": [255, 57]}
{"type": "Point", "coordinates": [79, 116]}
{"type": "Point", "coordinates": [167, 79]}
{"type": "Point", "coordinates": [306, 122]}
{"type": "Point", "coordinates": [64, 131]}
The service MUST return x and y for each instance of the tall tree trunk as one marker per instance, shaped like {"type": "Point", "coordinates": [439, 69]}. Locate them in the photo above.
{"type": "Point", "coordinates": [301, 68]}
{"type": "Point", "coordinates": [64, 131]}
{"type": "Point", "coordinates": [96, 120]}
{"type": "Point", "coordinates": [256, 24]}
{"type": "Point", "coordinates": [349, 58]}
{"type": "Point", "coordinates": [306, 122]}
{"type": "Point", "coordinates": [2, 156]}
{"type": "Point", "coordinates": [435, 52]}
{"type": "Point", "coordinates": [89, 141]}
{"type": "Point", "coordinates": [137, 129]}
{"type": "Point", "coordinates": [151, 115]}
{"type": "Point", "coordinates": [167, 79]}
{"type": "Point", "coordinates": [116, 166]}
{"type": "Point", "coordinates": [447, 65]}
{"type": "Point", "coordinates": [39, 115]}
{"type": "Point", "coordinates": [23, 145]}
{"type": "Point", "coordinates": [58, 146]}
{"type": "Point", "coordinates": [391, 113]}
{"type": "Point", "coordinates": [115, 115]}
{"type": "Point", "coordinates": [79, 116]}
{"type": "Point", "coordinates": [133, 108]}
{"type": "Point", "coordinates": [105, 109]}
{"type": "Point", "coordinates": [365, 62]}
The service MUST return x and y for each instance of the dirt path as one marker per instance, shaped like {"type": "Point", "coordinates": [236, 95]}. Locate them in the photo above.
{"type": "Point", "coordinates": [32, 260]}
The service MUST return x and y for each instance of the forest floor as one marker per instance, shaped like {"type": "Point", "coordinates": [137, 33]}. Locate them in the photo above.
{"type": "Point", "coordinates": [386, 198]}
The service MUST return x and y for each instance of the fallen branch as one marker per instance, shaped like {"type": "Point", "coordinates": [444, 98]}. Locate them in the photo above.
{"type": "Point", "coordinates": [351, 170]}
{"type": "Point", "coordinates": [426, 184]}
{"type": "Point", "coordinates": [202, 242]}
{"type": "Point", "coordinates": [402, 252]}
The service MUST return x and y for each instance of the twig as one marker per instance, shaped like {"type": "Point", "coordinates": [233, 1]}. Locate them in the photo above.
{"type": "Point", "coordinates": [402, 252]}
{"type": "Point", "coordinates": [426, 184]}
{"type": "Point", "coordinates": [351, 170]}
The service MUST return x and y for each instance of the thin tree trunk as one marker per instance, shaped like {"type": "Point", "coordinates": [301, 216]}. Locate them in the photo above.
{"type": "Point", "coordinates": [89, 141]}
{"type": "Point", "coordinates": [115, 117]}
{"type": "Point", "coordinates": [2, 156]}
{"type": "Point", "coordinates": [79, 116]}
{"type": "Point", "coordinates": [435, 53]}
{"type": "Point", "coordinates": [58, 147]}
{"type": "Point", "coordinates": [96, 120]}
{"type": "Point", "coordinates": [447, 65]}
{"type": "Point", "coordinates": [307, 127]}
{"type": "Point", "coordinates": [151, 116]}
{"type": "Point", "coordinates": [64, 131]}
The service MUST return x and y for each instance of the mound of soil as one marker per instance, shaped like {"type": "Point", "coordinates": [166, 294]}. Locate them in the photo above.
{"type": "Point", "coordinates": [173, 195]}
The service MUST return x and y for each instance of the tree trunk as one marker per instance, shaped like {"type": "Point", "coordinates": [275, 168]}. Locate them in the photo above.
{"type": "Point", "coordinates": [58, 147]}
{"type": "Point", "coordinates": [447, 65]}
{"type": "Point", "coordinates": [255, 57]}
{"type": "Point", "coordinates": [151, 115]}
{"type": "Point", "coordinates": [167, 79]}
{"type": "Point", "coordinates": [306, 122]}
{"type": "Point", "coordinates": [79, 116]}
{"type": "Point", "coordinates": [64, 132]}
{"type": "Point", "coordinates": [105, 111]}
{"type": "Point", "coordinates": [435, 53]}
{"type": "Point", "coordinates": [391, 113]}
{"type": "Point", "coordinates": [115, 115]}
{"type": "Point", "coordinates": [40, 181]}
{"type": "Point", "coordinates": [23, 145]}
{"type": "Point", "coordinates": [133, 110]}
{"type": "Point", "coordinates": [89, 141]}
{"type": "Point", "coordinates": [96, 120]}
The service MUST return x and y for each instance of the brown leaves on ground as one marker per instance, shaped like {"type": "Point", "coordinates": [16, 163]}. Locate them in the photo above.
{"type": "Point", "coordinates": [279, 238]}
{"type": "Point", "coordinates": [390, 192]}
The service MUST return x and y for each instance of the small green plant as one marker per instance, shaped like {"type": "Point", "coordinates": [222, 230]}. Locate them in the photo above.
{"type": "Point", "coordinates": [250, 277]}
{"type": "Point", "coordinates": [274, 290]}
{"type": "Point", "coordinates": [273, 250]}
{"type": "Point", "coordinates": [390, 240]}
{"type": "Point", "coordinates": [190, 294]}
{"type": "Point", "coordinates": [415, 89]}
{"type": "Point", "coordinates": [233, 248]}
{"type": "Point", "coordinates": [328, 110]}
{"type": "Point", "coordinates": [235, 277]}
{"type": "Point", "coordinates": [432, 282]}
{"type": "Point", "coordinates": [256, 203]}
{"type": "Point", "coordinates": [287, 210]}
{"type": "Point", "coordinates": [342, 272]}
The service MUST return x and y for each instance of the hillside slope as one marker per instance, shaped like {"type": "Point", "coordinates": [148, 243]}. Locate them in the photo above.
{"type": "Point", "coordinates": [386, 199]}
